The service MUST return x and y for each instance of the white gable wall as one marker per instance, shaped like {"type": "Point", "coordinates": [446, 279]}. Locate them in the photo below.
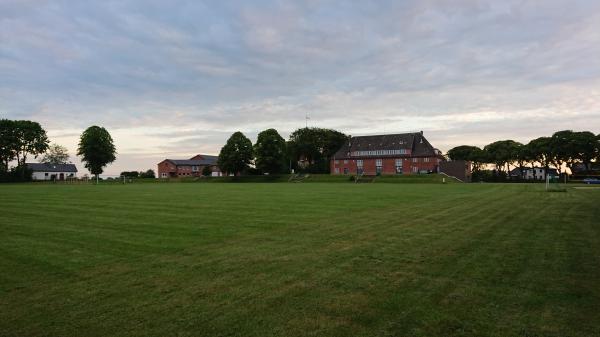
{"type": "Point", "coordinates": [48, 175]}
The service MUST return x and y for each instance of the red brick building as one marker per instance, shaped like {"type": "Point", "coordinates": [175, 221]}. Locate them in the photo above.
{"type": "Point", "coordinates": [405, 153]}
{"type": "Point", "coordinates": [177, 168]}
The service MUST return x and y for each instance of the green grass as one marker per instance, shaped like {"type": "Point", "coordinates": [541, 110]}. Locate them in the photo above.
{"type": "Point", "coordinates": [299, 260]}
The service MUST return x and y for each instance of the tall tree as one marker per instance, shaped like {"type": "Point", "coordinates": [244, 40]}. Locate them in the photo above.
{"type": "Point", "coordinates": [9, 144]}
{"type": "Point", "coordinates": [563, 148]}
{"type": "Point", "coordinates": [540, 150]}
{"type": "Point", "coordinates": [31, 140]}
{"type": "Point", "coordinates": [316, 146]}
{"type": "Point", "coordinates": [502, 152]}
{"type": "Point", "coordinates": [523, 156]}
{"type": "Point", "coordinates": [148, 174]}
{"type": "Point", "coordinates": [96, 149]}
{"type": "Point", "coordinates": [56, 154]}
{"type": "Point", "coordinates": [236, 155]}
{"type": "Point", "coordinates": [470, 153]}
{"type": "Point", "coordinates": [587, 148]}
{"type": "Point", "coordinates": [270, 152]}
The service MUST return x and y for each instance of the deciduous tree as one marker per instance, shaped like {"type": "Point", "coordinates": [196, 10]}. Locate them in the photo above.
{"type": "Point", "coordinates": [316, 146]}
{"type": "Point", "coordinates": [56, 154]}
{"type": "Point", "coordinates": [270, 152]}
{"type": "Point", "coordinates": [236, 155]}
{"type": "Point", "coordinates": [96, 149]}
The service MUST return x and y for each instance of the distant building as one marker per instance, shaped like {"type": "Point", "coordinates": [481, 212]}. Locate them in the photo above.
{"type": "Point", "coordinates": [581, 169]}
{"type": "Point", "coordinates": [177, 168]}
{"type": "Point", "coordinates": [47, 171]}
{"type": "Point", "coordinates": [459, 169]}
{"type": "Point", "coordinates": [535, 173]}
{"type": "Point", "coordinates": [405, 153]}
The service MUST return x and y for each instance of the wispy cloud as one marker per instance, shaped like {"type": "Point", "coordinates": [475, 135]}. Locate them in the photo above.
{"type": "Point", "coordinates": [176, 79]}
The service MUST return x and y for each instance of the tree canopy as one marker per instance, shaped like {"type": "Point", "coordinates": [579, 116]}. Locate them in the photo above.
{"type": "Point", "coordinates": [56, 154]}
{"type": "Point", "coordinates": [470, 153]}
{"type": "Point", "coordinates": [96, 149]}
{"type": "Point", "coordinates": [236, 155]}
{"type": "Point", "coordinates": [315, 146]}
{"type": "Point", "coordinates": [270, 152]}
{"type": "Point", "coordinates": [19, 139]}
{"type": "Point", "coordinates": [502, 153]}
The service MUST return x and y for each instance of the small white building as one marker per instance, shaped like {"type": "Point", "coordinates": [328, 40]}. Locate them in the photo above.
{"type": "Point", "coordinates": [47, 171]}
{"type": "Point", "coordinates": [536, 173]}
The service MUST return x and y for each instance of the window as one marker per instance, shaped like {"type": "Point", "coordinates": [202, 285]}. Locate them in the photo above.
{"type": "Point", "coordinates": [337, 170]}
{"type": "Point", "coordinates": [398, 166]}
{"type": "Point", "coordinates": [378, 166]}
{"type": "Point", "coordinates": [346, 170]}
{"type": "Point", "coordinates": [195, 168]}
{"type": "Point", "coordinates": [359, 163]}
{"type": "Point", "coordinates": [346, 161]}
{"type": "Point", "coordinates": [415, 169]}
{"type": "Point", "coordinates": [163, 175]}
{"type": "Point", "coordinates": [415, 160]}
{"type": "Point", "coordinates": [46, 174]}
{"type": "Point", "coordinates": [337, 162]}
{"type": "Point", "coordinates": [426, 160]}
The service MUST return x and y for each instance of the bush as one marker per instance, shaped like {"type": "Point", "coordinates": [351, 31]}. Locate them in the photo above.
{"type": "Point", "coordinates": [16, 174]}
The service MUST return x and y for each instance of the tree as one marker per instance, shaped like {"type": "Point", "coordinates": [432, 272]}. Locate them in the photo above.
{"type": "Point", "coordinates": [502, 152]}
{"type": "Point", "coordinates": [523, 157]}
{"type": "Point", "coordinates": [148, 174]}
{"type": "Point", "coordinates": [96, 149]}
{"type": "Point", "coordinates": [31, 140]}
{"type": "Point", "coordinates": [18, 139]}
{"type": "Point", "coordinates": [315, 146]}
{"type": "Point", "coordinates": [56, 154]}
{"type": "Point", "coordinates": [206, 171]}
{"type": "Point", "coordinates": [469, 153]}
{"type": "Point", "coordinates": [236, 155]}
{"type": "Point", "coordinates": [587, 148]}
{"type": "Point", "coordinates": [540, 150]}
{"type": "Point", "coordinates": [270, 152]}
{"type": "Point", "coordinates": [130, 174]}
{"type": "Point", "coordinates": [563, 148]}
{"type": "Point", "coordinates": [9, 144]}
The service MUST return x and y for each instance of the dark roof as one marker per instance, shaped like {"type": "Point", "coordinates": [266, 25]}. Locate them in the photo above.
{"type": "Point", "coordinates": [47, 167]}
{"type": "Point", "coordinates": [207, 160]}
{"type": "Point", "coordinates": [415, 142]}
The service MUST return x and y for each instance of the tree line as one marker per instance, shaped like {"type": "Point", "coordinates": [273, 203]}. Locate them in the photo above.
{"type": "Point", "coordinates": [22, 139]}
{"type": "Point", "coordinates": [564, 148]}
{"type": "Point", "coordinates": [307, 150]}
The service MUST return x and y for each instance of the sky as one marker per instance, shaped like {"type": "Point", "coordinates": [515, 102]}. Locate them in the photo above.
{"type": "Point", "coordinates": [170, 79]}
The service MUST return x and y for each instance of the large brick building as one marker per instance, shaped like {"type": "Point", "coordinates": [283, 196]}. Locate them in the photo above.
{"type": "Point", "coordinates": [405, 153]}
{"type": "Point", "coordinates": [176, 168]}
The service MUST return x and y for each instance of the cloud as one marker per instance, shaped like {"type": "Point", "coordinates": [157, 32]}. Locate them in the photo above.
{"type": "Point", "coordinates": [177, 79]}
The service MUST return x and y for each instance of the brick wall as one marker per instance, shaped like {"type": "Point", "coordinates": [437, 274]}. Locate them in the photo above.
{"type": "Point", "coordinates": [409, 165]}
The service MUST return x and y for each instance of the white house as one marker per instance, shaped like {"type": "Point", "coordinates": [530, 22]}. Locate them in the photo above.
{"type": "Point", "coordinates": [536, 173]}
{"type": "Point", "coordinates": [47, 171]}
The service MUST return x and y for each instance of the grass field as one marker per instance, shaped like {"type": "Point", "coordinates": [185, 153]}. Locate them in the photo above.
{"type": "Point", "coordinates": [299, 260]}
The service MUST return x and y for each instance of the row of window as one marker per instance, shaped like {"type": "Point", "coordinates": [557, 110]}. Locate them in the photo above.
{"type": "Point", "coordinates": [378, 162]}
{"type": "Point", "coordinates": [379, 152]}
{"type": "Point", "coordinates": [378, 170]}
{"type": "Point", "coordinates": [187, 168]}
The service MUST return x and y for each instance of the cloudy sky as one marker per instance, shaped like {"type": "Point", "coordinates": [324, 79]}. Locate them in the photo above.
{"type": "Point", "coordinates": [176, 78]}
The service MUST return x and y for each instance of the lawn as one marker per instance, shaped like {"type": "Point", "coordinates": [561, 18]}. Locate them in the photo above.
{"type": "Point", "coordinates": [286, 259]}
